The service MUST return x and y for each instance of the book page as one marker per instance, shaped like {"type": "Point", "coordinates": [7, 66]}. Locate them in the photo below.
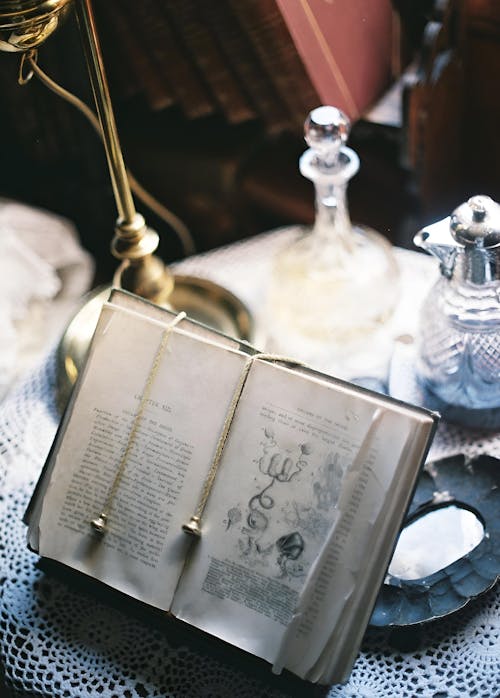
{"type": "Point", "coordinates": [144, 548]}
{"type": "Point", "coordinates": [372, 505]}
{"type": "Point", "coordinates": [129, 301]}
{"type": "Point", "coordinates": [300, 455]}
{"type": "Point", "coordinates": [344, 626]}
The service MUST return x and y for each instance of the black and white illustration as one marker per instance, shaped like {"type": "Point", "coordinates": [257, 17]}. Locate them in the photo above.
{"type": "Point", "coordinates": [275, 529]}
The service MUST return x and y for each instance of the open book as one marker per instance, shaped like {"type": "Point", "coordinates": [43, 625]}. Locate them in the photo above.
{"type": "Point", "coordinates": [298, 482]}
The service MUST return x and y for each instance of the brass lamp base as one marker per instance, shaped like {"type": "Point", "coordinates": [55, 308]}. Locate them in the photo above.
{"type": "Point", "coordinates": [203, 300]}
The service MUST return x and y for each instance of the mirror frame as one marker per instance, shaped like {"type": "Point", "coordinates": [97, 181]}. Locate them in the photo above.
{"type": "Point", "coordinates": [470, 483]}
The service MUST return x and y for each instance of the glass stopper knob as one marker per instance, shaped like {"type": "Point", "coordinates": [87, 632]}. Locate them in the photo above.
{"type": "Point", "coordinates": [326, 130]}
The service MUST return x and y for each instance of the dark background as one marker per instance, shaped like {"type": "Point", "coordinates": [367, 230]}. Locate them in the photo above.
{"type": "Point", "coordinates": [229, 181]}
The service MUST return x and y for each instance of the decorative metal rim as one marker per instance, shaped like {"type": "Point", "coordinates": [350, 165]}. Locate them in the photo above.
{"type": "Point", "coordinates": [472, 483]}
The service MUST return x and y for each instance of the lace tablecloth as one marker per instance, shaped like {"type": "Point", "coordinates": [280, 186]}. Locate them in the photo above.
{"type": "Point", "coordinates": [59, 639]}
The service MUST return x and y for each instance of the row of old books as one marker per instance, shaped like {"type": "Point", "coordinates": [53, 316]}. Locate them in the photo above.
{"type": "Point", "coordinates": [231, 57]}
{"type": "Point", "coordinates": [243, 60]}
{"type": "Point", "coordinates": [272, 60]}
{"type": "Point", "coordinates": [253, 67]}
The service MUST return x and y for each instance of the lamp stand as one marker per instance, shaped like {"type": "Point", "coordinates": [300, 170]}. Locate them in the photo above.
{"type": "Point", "coordinates": [134, 243]}
{"type": "Point", "coordinates": [24, 25]}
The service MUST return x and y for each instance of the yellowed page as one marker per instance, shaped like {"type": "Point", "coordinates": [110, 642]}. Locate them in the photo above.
{"type": "Point", "coordinates": [346, 576]}
{"type": "Point", "coordinates": [300, 455]}
{"type": "Point", "coordinates": [143, 551]}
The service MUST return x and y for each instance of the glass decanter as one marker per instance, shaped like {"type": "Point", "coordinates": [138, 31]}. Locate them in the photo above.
{"type": "Point", "coordinates": [458, 344]}
{"type": "Point", "coordinates": [333, 289]}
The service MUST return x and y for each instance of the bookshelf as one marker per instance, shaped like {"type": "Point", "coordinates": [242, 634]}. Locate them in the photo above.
{"type": "Point", "coordinates": [209, 98]}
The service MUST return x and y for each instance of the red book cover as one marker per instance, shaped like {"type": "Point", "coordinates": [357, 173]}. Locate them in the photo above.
{"type": "Point", "coordinates": [346, 47]}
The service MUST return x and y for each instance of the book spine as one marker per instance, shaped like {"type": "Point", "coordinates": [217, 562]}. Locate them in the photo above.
{"type": "Point", "coordinates": [137, 62]}
{"type": "Point", "coordinates": [275, 47]}
{"type": "Point", "coordinates": [200, 44]}
{"type": "Point", "coordinates": [242, 59]}
{"type": "Point", "coordinates": [174, 67]}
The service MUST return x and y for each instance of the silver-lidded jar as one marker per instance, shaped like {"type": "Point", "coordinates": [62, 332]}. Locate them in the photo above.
{"type": "Point", "coordinates": [458, 344]}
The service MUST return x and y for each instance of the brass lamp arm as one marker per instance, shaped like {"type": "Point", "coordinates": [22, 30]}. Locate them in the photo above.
{"type": "Point", "coordinates": [93, 55]}
{"type": "Point", "coordinates": [24, 25]}
{"type": "Point", "coordinates": [30, 59]}
{"type": "Point", "coordinates": [133, 243]}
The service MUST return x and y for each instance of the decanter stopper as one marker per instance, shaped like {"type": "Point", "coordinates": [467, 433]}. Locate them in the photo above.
{"type": "Point", "coordinates": [336, 284]}
{"type": "Point", "coordinates": [326, 131]}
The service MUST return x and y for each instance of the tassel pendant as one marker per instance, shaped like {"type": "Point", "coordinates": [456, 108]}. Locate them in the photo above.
{"type": "Point", "coordinates": [193, 527]}
{"type": "Point", "coordinates": [100, 524]}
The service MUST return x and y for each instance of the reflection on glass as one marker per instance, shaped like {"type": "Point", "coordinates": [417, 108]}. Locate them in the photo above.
{"type": "Point", "coordinates": [434, 541]}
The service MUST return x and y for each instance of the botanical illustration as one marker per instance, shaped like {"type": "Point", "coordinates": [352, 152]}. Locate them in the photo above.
{"type": "Point", "coordinates": [278, 522]}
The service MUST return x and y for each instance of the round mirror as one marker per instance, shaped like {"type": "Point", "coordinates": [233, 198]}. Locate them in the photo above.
{"type": "Point", "coordinates": [435, 540]}
{"type": "Point", "coordinates": [448, 552]}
